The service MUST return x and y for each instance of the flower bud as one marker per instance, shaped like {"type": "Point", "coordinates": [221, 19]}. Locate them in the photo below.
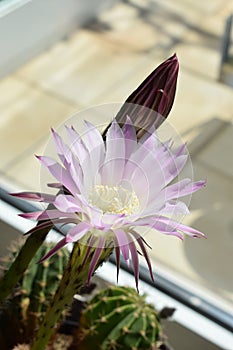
{"type": "Point", "coordinates": [151, 102]}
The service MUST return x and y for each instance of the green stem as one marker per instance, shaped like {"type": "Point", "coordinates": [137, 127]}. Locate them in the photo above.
{"type": "Point", "coordinates": [20, 264]}
{"type": "Point", "coordinates": [74, 278]}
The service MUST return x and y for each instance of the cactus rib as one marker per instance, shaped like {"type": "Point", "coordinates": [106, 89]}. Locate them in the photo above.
{"type": "Point", "coordinates": [118, 318]}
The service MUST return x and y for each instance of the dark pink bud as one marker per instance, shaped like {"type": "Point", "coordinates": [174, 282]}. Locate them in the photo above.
{"type": "Point", "coordinates": [156, 93]}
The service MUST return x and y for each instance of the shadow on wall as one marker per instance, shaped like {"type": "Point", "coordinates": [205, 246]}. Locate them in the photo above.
{"type": "Point", "coordinates": [212, 258]}
{"type": "Point", "coordinates": [163, 20]}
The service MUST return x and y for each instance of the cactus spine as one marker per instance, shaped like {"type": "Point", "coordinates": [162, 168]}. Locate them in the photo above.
{"type": "Point", "coordinates": [118, 318]}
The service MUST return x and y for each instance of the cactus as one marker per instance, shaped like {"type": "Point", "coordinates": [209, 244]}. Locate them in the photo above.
{"type": "Point", "coordinates": [118, 318]}
{"type": "Point", "coordinates": [74, 278]}
{"type": "Point", "coordinates": [22, 347]}
{"type": "Point", "coordinates": [23, 311]}
{"type": "Point", "coordinates": [61, 342]}
{"type": "Point", "coordinates": [16, 270]}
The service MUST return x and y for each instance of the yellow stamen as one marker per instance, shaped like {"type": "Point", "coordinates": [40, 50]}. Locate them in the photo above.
{"type": "Point", "coordinates": [114, 199]}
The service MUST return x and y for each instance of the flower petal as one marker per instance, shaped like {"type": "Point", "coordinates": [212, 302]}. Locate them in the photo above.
{"type": "Point", "coordinates": [91, 244]}
{"type": "Point", "coordinates": [77, 232]}
{"type": "Point", "coordinates": [113, 167]}
{"type": "Point", "coordinates": [157, 223]}
{"type": "Point", "coordinates": [95, 258]}
{"type": "Point", "coordinates": [173, 167]}
{"type": "Point", "coordinates": [77, 146]}
{"type": "Point", "coordinates": [123, 242]}
{"type": "Point", "coordinates": [67, 203]}
{"type": "Point", "coordinates": [92, 137]}
{"type": "Point", "coordinates": [190, 231]}
{"type": "Point", "coordinates": [35, 196]}
{"type": "Point", "coordinates": [140, 241]}
{"type": "Point", "coordinates": [182, 188]}
{"type": "Point", "coordinates": [47, 215]}
{"type": "Point", "coordinates": [117, 253]}
{"type": "Point", "coordinates": [54, 250]}
{"type": "Point", "coordinates": [55, 185]}
{"type": "Point", "coordinates": [60, 173]}
{"type": "Point", "coordinates": [130, 137]}
{"type": "Point", "coordinates": [63, 150]}
{"type": "Point", "coordinates": [48, 224]}
{"type": "Point", "coordinates": [134, 255]}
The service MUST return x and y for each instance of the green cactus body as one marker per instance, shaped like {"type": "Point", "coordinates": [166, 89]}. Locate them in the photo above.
{"type": "Point", "coordinates": [21, 261]}
{"type": "Point", "coordinates": [118, 318]}
{"type": "Point", "coordinates": [23, 311]}
{"type": "Point", "coordinates": [74, 277]}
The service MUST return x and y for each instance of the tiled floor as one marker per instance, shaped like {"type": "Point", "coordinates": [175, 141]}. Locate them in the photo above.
{"type": "Point", "coordinates": [104, 63]}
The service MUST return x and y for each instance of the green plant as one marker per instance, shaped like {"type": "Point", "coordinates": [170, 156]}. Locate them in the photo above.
{"type": "Point", "coordinates": [61, 342]}
{"type": "Point", "coordinates": [23, 311]}
{"type": "Point", "coordinates": [118, 318]}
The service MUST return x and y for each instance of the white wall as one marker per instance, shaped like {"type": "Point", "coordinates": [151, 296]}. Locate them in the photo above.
{"type": "Point", "coordinates": [28, 27]}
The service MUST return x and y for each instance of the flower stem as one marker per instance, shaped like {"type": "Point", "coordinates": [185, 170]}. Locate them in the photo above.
{"type": "Point", "coordinates": [20, 264]}
{"type": "Point", "coordinates": [75, 276]}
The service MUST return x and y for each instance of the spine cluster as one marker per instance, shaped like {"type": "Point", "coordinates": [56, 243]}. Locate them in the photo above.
{"type": "Point", "coordinates": [118, 318]}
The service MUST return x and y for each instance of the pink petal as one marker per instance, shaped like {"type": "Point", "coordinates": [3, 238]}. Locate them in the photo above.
{"type": "Point", "coordinates": [179, 226]}
{"type": "Point", "coordinates": [129, 130]}
{"type": "Point", "coordinates": [134, 255]}
{"type": "Point", "coordinates": [130, 137]}
{"type": "Point", "coordinates": [140, 241]}
{"type": "Point", "coordinates": [174, 208]}
{"type": "Point", "coordinates": [53, 251]}
{"type": "Point", "coordinates": [49, 224]}
{"type": "Point", "coordinates": [62, 149]}
{"type": "Point", "coordinates": [157, 223]}
{"type": "Point", "coordinates": [173, 167]}
{"type": "Point", "coordinates": [77, 146]}
{"type": "Point", "coordinates": [77, 232]}
{"type": "Point", "coordinates": [111, 220]}
{"type": "Point", "coordinates": [123, 242]}
{"type": "Point", "coordinates": [60, 173]}
{"type": "Point", "coordinates": [91, 244]}
{"type": "Point", "coordinates": [40, 227]}
{"type": "Point", "coordinates": [92, 137]}
{"type": "Point", "coordinates": [94, 154]}
{"type": "Point", "coordinates": [168, 226]}
{"type": "Point", "coordinates": [117, 252]}
{"type": "Point", "coordinates": [67, 203]}
{"type": "Point", "coordinates": [150, 140]}
{"type": "Point", "coordinates": [95, 216]}
{"type": "Point", "coordinates": [95, 258]}
{"type": "Point", "coordinates": [47, 215]}
{"type": "Point", "coordinates": [182, 188]}
{"type": "Point", "coordinates": [35, 196]}
{"type": "Point", "coordinates": [76, 173]}
{"type": "Point", "coordinates": [113, 167]}
{"type": "Point", "coordinates": [31, 216]}
{"type": "Point", "coordinates": [55, 185]}
{"type": "Point", "coordinates": [182, 150]}
{"type": "Point", "coordinates": [161, 207]}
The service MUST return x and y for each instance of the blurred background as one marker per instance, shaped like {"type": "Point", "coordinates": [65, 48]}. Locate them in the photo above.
{"type": "Point", "coordinates": [58, 59]}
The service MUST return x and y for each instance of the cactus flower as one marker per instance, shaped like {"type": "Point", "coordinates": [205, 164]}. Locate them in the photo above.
{"type": "Point", "coordinates": [157, 94]}
{"type": "Point", "coordinates": [112, 188]}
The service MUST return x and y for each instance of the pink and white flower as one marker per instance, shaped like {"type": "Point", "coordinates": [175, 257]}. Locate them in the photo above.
{"type": "Point", "coordinates": [112, 187]}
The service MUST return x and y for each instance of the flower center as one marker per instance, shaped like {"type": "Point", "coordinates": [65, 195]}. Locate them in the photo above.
{"type": "Point", "coordinates": [114, 199]}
